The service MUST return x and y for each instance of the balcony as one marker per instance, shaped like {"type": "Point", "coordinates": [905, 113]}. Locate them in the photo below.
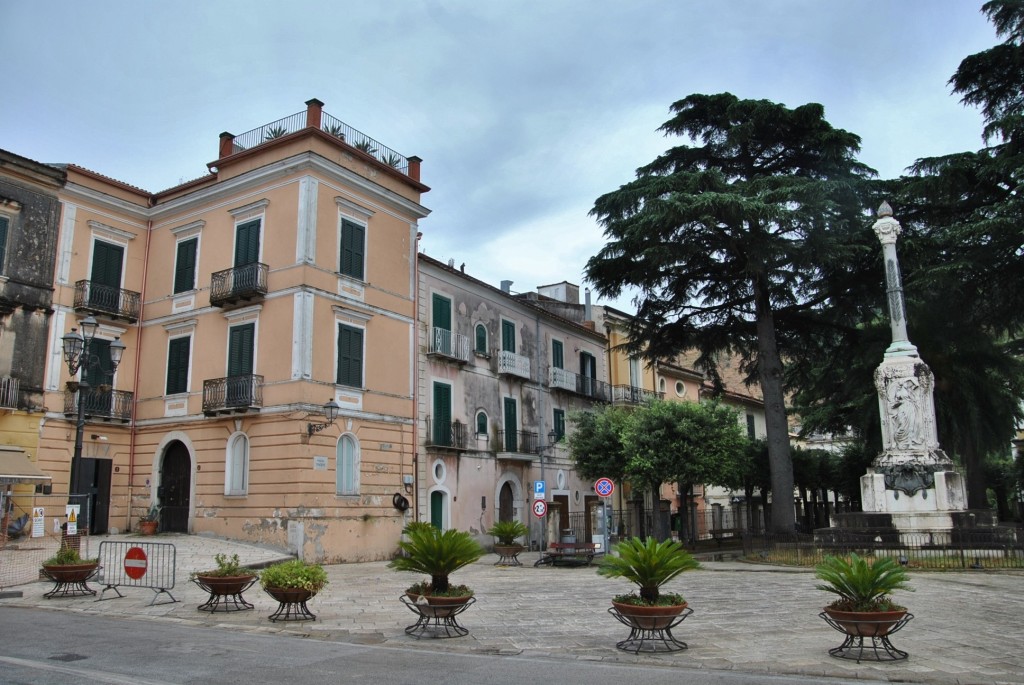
{"type": "Point", "coordinates": [100, 403]}
{"type": "Point", "coordinates": [240, 284]}
{"type": "Point", "coordinates": [581, 385]}
{"type": "Point", "coordinates": [630, 394]}
{"type": "Point", "coordinates": [512, 364]}
{"type": "Point", "coordinates": [233, 394]}
{"type": "Point", "coordinates": [449, 435]}
{"type": "Point", "coordinates": [105, 300]}
{"type": "Point", "coordinates": [447, 345]}
{"type": "Point", "coordinates": [519, 442]}
{"type": "Point", "coordinates": [9, 392]}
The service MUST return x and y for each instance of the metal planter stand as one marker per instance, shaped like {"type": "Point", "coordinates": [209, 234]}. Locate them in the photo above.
{"type": "Point", "coordinates": [221, 600]}
{"type": "Point", "coordinates": [643, 639]}
{"type": "Point", "coordinates": [878, 647]}
{"type": "Point", "coordinates": [436, 621]}
{"type": "Point", "coordinates": [71, 583]}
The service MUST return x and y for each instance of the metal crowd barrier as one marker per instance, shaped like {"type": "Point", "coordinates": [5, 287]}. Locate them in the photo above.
{"type": "Point", "coordinates": [138, 564]}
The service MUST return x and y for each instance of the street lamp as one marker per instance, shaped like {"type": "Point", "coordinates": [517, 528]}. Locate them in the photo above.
{"type": "Point", "coordinates": [77, 355]}
{"type": "Point", "coordinates": [331, 410]}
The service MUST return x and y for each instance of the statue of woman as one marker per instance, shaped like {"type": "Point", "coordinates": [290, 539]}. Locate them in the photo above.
{"type": "Point", "coordinates": [905, 411]}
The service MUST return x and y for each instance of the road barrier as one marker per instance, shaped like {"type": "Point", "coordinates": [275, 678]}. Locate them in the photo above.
{"type": "Point", "coordinates": [137, 564]}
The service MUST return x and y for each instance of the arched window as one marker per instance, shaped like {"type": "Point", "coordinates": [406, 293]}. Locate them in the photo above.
{"type": "Point", "coordinates": [481, 339]}
{"type": "Point", "coordinates": [481, 423]}
{"type": "Point", "coordinates": [347, 478]}
{"type": "Point", "coordinates": [236, 471]}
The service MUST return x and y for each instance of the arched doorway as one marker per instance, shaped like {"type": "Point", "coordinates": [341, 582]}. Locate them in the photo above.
{"type": "Point", "coordinates": [175, 488]}
{"type": "Point", "coordinates": [506, 501]}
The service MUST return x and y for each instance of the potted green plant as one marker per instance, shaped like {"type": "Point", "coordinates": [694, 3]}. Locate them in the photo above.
{"type": "Point", "coordinates": [648, 564]}
{"type": "Point", "coordinates": [149, 521]}
{"type": "Point", "coordinates": [437, 554]}
{"type": "Point", "coordinates": [68, 566]}
{"type": "Point", "coordinates": [864, 607]}
{"type": "Point", "coordinates": [230, 578]}
{"type": "Point", "coordinates": [293, 581]}
{"type": "Point", "coordinates": [506, 545]}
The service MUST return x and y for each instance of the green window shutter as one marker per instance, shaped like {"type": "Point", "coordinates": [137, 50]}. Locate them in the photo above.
{"type": "Point", "coordinates": [353, 248]}
{"type": "Point", "coordinates": [442, 422]}
{"type": "Point", "coordinates": [4, 222]}
{"type": "Point", "coordinates": [240, 349]}
{"type": "Point", "coordinates": [350, 356]}
{"type": "Point", "coordinates": [185, 265]}
{"type": "Point", "coordinates": [750, 426]}
{"type": "Point", "coordinates": [508, 336]}
{"type": "Point", "coordinates": [557, 354]}
{"type": "Point", "coordinates": [106, 264]}
{"type": "Point", "coordinates": [559, 424]}
{"type": "Point", "coordinates": [588, 365]}
{"type": "Point", "coordinates": [177, 365]}
{"type": "Point", "coordinates": [102, 373]}
{"type": "Point", "coordinates": [511, 426]}
{"type": "Point", "coordinates": [481, 338]}
{"type": "Point", "coordinates": [247, 243]}
{"type": "Point", "coordinates": [481, 423]}
{"type": "Point", "coordinates": [442, 307]}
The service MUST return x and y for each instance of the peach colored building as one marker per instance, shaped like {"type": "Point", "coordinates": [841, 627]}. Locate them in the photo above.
{"type": "Point", "coordinates": [247, 300]}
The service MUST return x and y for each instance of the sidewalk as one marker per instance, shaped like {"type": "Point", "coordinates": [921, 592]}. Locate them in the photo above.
{"type": "Point", "coordinates": [968, 626]}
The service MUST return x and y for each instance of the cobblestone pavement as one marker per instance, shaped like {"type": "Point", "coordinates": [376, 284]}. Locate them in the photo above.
{"type": "Point", "coordinates": [968, 626]}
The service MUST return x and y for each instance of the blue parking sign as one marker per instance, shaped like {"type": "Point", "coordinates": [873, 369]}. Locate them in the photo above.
{"type": "Point", "coordinates": [539, 490]}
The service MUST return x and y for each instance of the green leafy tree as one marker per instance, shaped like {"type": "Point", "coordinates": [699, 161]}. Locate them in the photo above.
{"type": "Point", "coordinates": [596, 443]}
{"type": "Point", "coordinates": [727, 241]}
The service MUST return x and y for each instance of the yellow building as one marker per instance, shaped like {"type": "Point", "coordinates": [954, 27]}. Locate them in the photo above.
{"type": "Point", "coordinates": [250, 302]}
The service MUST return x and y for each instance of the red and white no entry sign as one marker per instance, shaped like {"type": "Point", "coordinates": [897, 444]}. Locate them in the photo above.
{"type": "Point", "coordinates": [135, 563]}
{"type": "Point", "coordinates": [540, 508]}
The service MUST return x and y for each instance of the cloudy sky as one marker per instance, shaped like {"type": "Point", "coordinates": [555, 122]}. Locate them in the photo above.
{"type": "Point", "coordinates": [524, 112]}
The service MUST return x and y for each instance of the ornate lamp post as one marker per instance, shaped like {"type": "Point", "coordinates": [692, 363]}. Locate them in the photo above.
{"type": "Point", "coordinates": [78, 355]}
{"type": "Point", "coordinates": [331, 410]}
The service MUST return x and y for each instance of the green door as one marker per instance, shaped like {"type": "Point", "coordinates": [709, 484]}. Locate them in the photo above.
{"type": "Point", "coordinates": [511, 426]}
{"type": "Point", "coordinates": [105, 280]}
{"type": "Point", "coordinates": [240, 365]}
{"type": "Point", "coordinates": [442, 319]}
{"type": "Point", "coordinates": [557, 354]}
{"type": "Point", "coordinates": [437, 509]}
{"type": "Point", "coordinates": [442, 415]}
{"type": "Point", "coordinates": [247, 254]}
{"type": "Point", "coordinates": [96, 401]}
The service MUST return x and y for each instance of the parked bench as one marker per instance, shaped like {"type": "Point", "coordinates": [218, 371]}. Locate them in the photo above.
{"type": "Point", "coordinates": [720, 534]}
{"type": "Point", "coordinates": [570, 553]}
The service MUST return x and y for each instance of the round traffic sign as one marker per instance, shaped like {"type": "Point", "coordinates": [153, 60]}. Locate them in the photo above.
{"type": "Point", "coordinates": [604, 487]}
{"type": "Point", "coordinates": [135, 563]}
{"type": "Point", "coordinates": [540, 508]}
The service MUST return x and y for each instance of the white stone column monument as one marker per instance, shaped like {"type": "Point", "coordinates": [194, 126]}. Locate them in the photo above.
{"type": "Point", "coordinates": [912, 479]}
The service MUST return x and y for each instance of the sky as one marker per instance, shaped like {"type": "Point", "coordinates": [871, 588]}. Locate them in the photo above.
{"type": "Point", "coordinates": [523, 112]}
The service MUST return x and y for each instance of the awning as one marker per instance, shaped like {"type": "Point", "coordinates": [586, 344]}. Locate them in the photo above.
{"type": "Point", "coordinates": [15, 467]}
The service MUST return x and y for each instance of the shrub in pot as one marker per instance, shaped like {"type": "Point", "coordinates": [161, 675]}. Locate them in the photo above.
{"type": "Point", "coordinates": [864, 606]}
{"type": "Point", "coordinates": [229, 578]}
{"type": "Point", "coordinates": [436, 554]}
{"type": "Point", "coordinates": [293, 580]}
{"type": "Point", "coordinates": [506, 533]}
{"type": "Point", "coordinates": [149, 521]}
{"type": "Point", "coordinates": [68, 566]}
{"type": "Point", "coordinates": [648, 564]}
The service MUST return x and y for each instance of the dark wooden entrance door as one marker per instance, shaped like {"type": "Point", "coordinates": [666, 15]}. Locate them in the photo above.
{"type": "Point", "coordinates": [93, 488]}
{"type": "Point", "coordinates": [175, 485]}
{"type": "Point", "coordinates": [505, 501]}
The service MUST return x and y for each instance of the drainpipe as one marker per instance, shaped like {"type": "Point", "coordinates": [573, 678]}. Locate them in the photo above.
{"type": "Point", "coordinates": [540, 428]}
{"type": "Point", "coordinates": [135, 381]}
{"type": "Point", "coordinates": [416, 375]}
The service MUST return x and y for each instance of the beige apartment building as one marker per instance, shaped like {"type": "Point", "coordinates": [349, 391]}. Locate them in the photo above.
{"type": "Point", "coordinates": [252, 304]}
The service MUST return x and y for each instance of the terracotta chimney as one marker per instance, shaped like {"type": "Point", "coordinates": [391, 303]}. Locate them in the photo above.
{"type": "Point", "coordinates": [314, 110]}
{"type": "Point", "coordinates": [227, 144]}
{"type": "Point", "coordinates": [414, 167]}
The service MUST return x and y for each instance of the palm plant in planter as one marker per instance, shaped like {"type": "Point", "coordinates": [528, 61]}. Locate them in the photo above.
{"type": "Point", "coordinates": [864, 606]}
{"type": "Point", "coordinates": [506, 532]}
{"type": "Point", "coordinates": [437, 554]}
{"type": "Point", "coordinates": [648, 564]}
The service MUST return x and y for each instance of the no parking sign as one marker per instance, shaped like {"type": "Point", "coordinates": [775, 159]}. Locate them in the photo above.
{"type": "Point", "coordinates": [540, 508]}
{"type": "Point", "coordinates": [604, 487]}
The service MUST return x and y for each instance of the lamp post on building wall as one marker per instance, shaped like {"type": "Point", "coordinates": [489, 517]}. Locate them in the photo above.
{"type": "Point", "coordinates": [78, 355]}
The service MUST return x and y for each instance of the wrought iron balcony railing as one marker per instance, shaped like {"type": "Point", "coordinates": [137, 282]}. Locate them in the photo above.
{"type": "Point", "coordinates": [444, 343]}
{"type": "Point", "coordinates": [513, 364]}
{"type": "Point", "coordinates": [453, 434]}
{"type": "Point", "coordinates": [523, 442]}
{"type": "Point", "coordinates": [100, 402]}
{"type": "Point", "coordinates": [630, 394]}
{"type": "Point", "coordinates": [581, 385]}
{"type": "Point", "coordinates": [107, 300]}
{"type": "Point", "coordinates": [238, 284]}
{"type": "Point", "coordinates": [232, 394]}
{"type": "Point", "coordinates": [9, 392]}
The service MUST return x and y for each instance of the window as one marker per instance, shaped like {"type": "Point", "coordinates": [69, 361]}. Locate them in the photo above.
{"type": "Point", "coordinates": [178, 350]}
{"type": "Point", "coordinates": [241, 347]}
{"type": "Point", "coordinates": [442, 423]}
{"type": "Point", "coordinates": [750, 426]}
{"type": "Point", "coordinates": [588, 373]}
{"type": "Point", "coordinates": [481, 339]}
{"type": "Point", "coordinates": [105, 278]}
{"type": "Point", "coordinates": [508, 336]}
{"type": "Point", "coordinates": [481, 423]}
{"type": "Point", "coordinates": [634, 372]}
{"type": "Point", "coordinates": [350, 356]}
{"type": "Point", "coordinates": [559, 425]}
{"type": "Point", "coordinates": [185, 265]}
{"type": "Point", "coordinates": [442, 320]}
{"type": "Point", "coordinates": [680, 388]}
{"type": "Point", "coordinates": [247, 243]}
{"type": "Point", "coordinates": [236, 475]}
{"type": "Point", "coordinates": [353, 249]}
{"type": "Point", "coordinates": [511, 426]}
{"type": "Point", "coordinates": [557, 354]}
{"type": "Point", "coordinates": [4, 224]}
{"type": "Point", "coordinates": [347, 478]}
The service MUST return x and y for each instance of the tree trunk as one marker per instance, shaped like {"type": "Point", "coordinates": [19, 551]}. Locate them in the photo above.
{"type": "Point", "coordinates": [770, 370]}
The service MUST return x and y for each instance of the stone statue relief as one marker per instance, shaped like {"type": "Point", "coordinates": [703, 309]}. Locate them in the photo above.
{"type": "Point", "coordinates": [903, 394]}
